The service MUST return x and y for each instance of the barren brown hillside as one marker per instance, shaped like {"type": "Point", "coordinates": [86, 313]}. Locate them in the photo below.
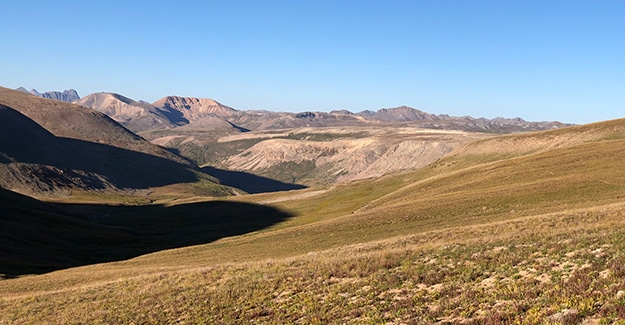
{"type": "Point", "coordinates": [326, 155]}
{"type": "Point", "coordinates": [194, 108]}
{"type": "Point", "coordinates": [135, 116]}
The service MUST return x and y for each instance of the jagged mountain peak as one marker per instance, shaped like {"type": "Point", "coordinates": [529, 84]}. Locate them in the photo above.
{"type": "Point", "coordinates": [189, 100]}
{"type": "Point", "coordinates": [69, 95]}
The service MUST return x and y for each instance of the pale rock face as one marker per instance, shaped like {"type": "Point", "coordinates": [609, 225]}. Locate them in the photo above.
{"type": "Point", "coordinates": [137, 116]}
{"type": "Point", "coordinates": [195, 108]}
{"type": "Point", "coordinates": [406, 155]}
{"type": "Point", "coordinates": [351, 158]}
{"type": "Point", "coordinates": [274, 151]}
{"type": "Point", "coordinates": [118, 107]}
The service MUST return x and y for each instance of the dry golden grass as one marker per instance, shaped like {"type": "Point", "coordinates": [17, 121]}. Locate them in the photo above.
{"type": "Point", "coordinates": [533, 239]}
{"type": "Point", "coordinates": [516, 271]}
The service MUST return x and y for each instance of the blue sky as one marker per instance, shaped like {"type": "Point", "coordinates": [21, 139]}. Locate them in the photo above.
{"type": "Point", "coordinates": [539, 60]}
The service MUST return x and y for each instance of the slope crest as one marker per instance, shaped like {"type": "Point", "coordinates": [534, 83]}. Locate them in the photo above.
{"type": "Point", "coordinates": [535, 142]}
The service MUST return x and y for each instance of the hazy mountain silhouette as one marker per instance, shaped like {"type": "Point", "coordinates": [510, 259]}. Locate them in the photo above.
{"type": "Point", "coordinates": [69, 95]}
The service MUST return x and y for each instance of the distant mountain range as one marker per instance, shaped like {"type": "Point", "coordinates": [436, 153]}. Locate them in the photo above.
{"type": "Point", "coordinates": [175, 111]}
{"type": "Point", "coordinates": [306, 148]}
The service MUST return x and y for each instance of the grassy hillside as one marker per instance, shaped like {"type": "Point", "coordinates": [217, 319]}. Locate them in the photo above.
{"type": "Point", "coordinates": [534, 142]}
{"type": "Point", "coordinates": [525, 237]}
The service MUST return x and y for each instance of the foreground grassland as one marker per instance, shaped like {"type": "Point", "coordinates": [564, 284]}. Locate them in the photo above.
{"type": "Point", "coordinates": [530, 238]}
{"type": "Point", "coordinates": [563, 268]}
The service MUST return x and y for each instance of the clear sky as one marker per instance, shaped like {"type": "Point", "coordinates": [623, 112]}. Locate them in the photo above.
{"type": "Point", "coordinates": [539, 60]}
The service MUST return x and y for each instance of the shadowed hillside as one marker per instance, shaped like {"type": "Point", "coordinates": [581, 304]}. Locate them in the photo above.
{"type": "Point", "coordinates": [77, 122]}
{"type": "Point", "coordinates": [50, 147]}
{"type": "Point", "coordinates": [36, 161]}
{"type": "Point", "coordinates": [23, 139]}
{"type": "Point", "coordinates": [37, 237]}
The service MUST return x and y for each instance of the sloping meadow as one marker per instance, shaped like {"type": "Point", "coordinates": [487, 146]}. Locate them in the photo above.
{"type": "Point", "coordinates": [531, 239]}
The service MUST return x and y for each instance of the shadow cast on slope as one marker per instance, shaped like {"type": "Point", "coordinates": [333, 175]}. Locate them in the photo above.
{"type": "Point", "coordinates": [126, 168]}
{"type": "Point", "coordinates": [173, 115]}
{"type": "Point", "coordinates": [250, 183]}
{"type": "Point", "coordinates": [38, 237]}
{"type": "Point", "coordinates": [239, 128]}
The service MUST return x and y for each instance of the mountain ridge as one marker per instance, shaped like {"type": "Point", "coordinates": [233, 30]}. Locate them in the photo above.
{"type": "Point", "coordinates": [312, 158]}
{"type": "Point", "coordinates": [195, 128]}
{"type": "Point", "coordinates": [180, 111]}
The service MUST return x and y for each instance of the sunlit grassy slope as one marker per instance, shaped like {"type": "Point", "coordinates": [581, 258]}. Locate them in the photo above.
{"type": "Point", "coordinates": [518, 229]}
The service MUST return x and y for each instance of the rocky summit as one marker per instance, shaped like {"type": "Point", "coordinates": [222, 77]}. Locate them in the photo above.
{"type": "Point", "coordinates": [69, 95]}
